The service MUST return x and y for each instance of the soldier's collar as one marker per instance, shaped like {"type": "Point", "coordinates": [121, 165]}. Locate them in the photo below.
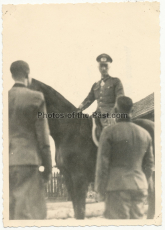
{"type": "Point", "coordinates": [18, 84]}
{"type": "Point", "coordinates": [127, 119]}
{"type": "Point", "coordinates": [105, 78]}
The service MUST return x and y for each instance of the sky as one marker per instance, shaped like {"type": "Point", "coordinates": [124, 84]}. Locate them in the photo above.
{"type": "Point", "coordinates": [60, 42]}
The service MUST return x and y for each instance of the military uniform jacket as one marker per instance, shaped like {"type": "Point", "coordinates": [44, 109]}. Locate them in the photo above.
{"type": "Point", "coordinates": [125, 158]}
{"type": "Point", "coordinates": [28, 134]}
{"type": "Point", "coordinates": [105, 95]}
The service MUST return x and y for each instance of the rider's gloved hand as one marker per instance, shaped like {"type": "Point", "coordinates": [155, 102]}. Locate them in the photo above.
{"type": "Point", "coordinates": [79, 110]}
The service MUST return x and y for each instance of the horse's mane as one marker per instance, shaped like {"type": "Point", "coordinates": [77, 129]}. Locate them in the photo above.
{"type": "Point", "coordinates": [55, 102]}
{"type": "Point", "coordinates": [52, 97]}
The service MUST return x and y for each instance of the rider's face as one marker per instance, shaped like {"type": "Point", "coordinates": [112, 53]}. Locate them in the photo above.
{"type": "Point", "coordinates": [103, 67]}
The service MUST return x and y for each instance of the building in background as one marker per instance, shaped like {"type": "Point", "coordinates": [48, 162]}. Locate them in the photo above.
{"type": "Point", "coordinates": [144, 108]}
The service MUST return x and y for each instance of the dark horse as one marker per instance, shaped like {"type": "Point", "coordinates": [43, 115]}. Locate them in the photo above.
{"type": "Point", "coordinates": [75, 150]}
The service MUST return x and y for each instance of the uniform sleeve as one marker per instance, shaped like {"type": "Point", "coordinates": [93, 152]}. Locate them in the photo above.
{"type": "Point", "coordinates": [88, 100]}
{"type": "Point", "coordinates": [119, 91]}
{"type": "Point", "coordinates": [148, 161]}
{"type": "Point", "coordinates": [42, 132]}
{"type": "Point", "coordinates": [103, 162]}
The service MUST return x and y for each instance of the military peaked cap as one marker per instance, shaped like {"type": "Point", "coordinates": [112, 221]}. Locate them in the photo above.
{"type": "Point", "coordinates": [104, 58]}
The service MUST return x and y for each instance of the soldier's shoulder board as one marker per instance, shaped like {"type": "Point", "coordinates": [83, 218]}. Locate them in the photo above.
{"type": "Point", "coordinates": [116, 79]}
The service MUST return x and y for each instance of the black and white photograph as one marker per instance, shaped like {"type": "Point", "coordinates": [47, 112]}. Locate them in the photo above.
{"type": "Point", "coordinates": [81, 114]}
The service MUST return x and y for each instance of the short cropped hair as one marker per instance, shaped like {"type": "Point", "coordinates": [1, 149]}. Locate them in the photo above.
{"type": "Point", "coordinates": [125, 103]}
{"type": "Point", "coordinates": [19, 67]}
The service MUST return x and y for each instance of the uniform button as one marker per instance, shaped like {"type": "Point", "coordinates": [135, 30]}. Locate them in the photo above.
{"type": "Point", "coordinates": [100, 97]}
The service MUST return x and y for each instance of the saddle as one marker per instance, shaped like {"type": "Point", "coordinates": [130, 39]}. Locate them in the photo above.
{"type": "Point", "coordinates": [97, 127]}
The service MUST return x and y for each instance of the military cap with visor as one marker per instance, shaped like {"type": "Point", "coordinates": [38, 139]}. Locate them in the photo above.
{"type": "Point", "coordinates": [103, 58]}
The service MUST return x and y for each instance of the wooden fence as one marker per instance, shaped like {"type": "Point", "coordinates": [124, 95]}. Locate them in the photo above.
{"type": "Point", "coordinates": [56, 188]}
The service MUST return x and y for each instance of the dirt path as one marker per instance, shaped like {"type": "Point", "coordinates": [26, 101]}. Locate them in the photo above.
{"type": "Point", "coordinates": [64, 210]}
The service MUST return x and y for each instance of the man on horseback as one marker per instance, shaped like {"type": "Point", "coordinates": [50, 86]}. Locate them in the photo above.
{"type": "Point", "coordinates": [104, 91]}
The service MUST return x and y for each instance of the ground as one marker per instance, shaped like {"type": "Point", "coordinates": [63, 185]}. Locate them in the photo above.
{"type": "Point", "coordinates": [64, 210]}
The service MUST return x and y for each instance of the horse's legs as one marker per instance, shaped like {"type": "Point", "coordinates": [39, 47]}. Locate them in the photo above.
{"type": "Point", "coordinates": [77, 186]}
{"type": "Point", "coordinates": [70, 187]}
{"type": "Point", "coordinates": [80, 189]}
